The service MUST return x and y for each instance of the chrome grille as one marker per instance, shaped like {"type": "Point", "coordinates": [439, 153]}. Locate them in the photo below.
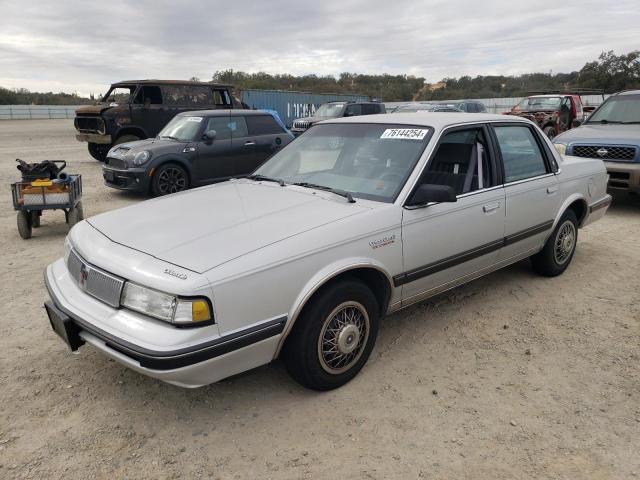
{"type": "Point", "coordinates": [605, 152]}
{"type": "Point", "coordinates": [94, 281]}
{"type": "Point", "coordinates": [301, 125]}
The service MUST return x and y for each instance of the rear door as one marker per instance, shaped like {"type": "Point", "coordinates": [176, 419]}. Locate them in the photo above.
{"type": "Point", "coordinates": [531, 188]}
{"type": "Point", "coordinates": [262, 138]}
{"type": "Point", "coordinates": [445, 242]}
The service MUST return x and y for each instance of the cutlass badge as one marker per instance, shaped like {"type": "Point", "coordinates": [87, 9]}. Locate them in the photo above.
{"type": "Point", "coordinates": [181, 276]}
{"type": "Point", "coordinates": [382, 242]}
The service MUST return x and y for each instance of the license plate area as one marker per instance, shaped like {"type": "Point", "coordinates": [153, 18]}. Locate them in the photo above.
{"type": "Point", "coordinates": [64, 327]}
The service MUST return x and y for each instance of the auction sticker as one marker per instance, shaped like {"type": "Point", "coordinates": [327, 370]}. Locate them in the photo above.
{"type": "Point", "coordinates": [405, 133]}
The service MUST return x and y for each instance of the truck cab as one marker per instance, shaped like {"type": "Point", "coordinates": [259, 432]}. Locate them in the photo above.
{"type": "Point", "coordinates": [553, 113]}
{"type": "Point", "coordinates": [139, 109]}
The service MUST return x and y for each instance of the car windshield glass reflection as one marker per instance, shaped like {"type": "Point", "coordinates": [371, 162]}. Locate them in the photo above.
{"type": "Point", "coordinates": [621, 109]}
{"type": "Point", "coordinates": [183, 129]}
{"type": "Point", "coordinates": [329, 110]}
{"type": "Point", "coordinates": [371, 161]}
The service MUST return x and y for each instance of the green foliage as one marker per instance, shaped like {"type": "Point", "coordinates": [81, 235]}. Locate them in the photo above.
{"type": "Point", "coordinates": [610, 72]}
{"type": "Point", "coordinates": [22, 96]}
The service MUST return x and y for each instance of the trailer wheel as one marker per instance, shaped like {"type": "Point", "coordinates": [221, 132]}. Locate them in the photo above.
{"type": "Point", "coordinates": [73, 216]}
{"type": "Point", "coordinates": [35, 219]}
{"type": "Point", "coordinates": [24, 224]}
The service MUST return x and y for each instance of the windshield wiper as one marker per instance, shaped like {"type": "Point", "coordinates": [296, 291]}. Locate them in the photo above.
{"type": "Point", "coordinates": [342, 193]}
{"type": "Point", "coordinates": [264, 178]}
{"type": "Point", "coordinates": [630, 123]}
{"type": "Point", "coordinates": [604, 121]}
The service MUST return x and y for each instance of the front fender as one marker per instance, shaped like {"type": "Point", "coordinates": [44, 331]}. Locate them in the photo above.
{"type": "Point", "coordinates": [321, 278]}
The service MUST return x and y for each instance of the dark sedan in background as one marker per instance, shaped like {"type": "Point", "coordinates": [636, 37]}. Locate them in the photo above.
{"type": "Point", "coordinates": [194, 149]}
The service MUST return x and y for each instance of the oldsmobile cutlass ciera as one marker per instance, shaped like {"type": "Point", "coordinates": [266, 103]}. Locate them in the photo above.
{"type": "Point", "coordinates": [356, 218]}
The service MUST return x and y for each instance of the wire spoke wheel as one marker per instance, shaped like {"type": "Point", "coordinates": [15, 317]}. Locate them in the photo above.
{"type": "Point", "coordinates": [565, 242]}
{"type": "Point", "coordinates": [343, 337]}
{"type": "Point", "coordinates": [171, 180]}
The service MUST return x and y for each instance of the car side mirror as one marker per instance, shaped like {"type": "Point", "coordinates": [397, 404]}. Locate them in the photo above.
{"type": "Point", "coordinates": [428, 192]}
{"type": "Point", "coordinates": [209, 136]}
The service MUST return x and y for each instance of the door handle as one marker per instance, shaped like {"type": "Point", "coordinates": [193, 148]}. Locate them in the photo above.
{"type": "Point", "coordinates": [249, 144]}
{"type": "Point", "coordinates": [551, 190]}
{"type": "Point", "coordinates": [490, 207]}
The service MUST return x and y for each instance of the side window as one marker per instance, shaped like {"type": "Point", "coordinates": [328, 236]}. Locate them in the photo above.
{"type": "Point", "coordinates": [187, 95]}
{"type": "Point", "coordinates": [149, 95]}
{"type": "Point", "coordinates": [353, 110]}
{"type": "Point", "coordinates": [521, 154]}
{"type": "Point", "coordinates": [227, 127]}
{"type": "Point", "coordinates": [221, 98]}
{"type": "Point", "coordinates": [370, 109]}
{"type": "Point", "coordinates": [262, 125]}
{"type": "Point", "coordinates": [461, 161]}
{"type": "Point", "coordinates": [480, 107]}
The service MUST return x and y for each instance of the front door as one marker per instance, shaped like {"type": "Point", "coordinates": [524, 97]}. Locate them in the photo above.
{"type": "Point", "coordinates": [446, 242]}
{"type": "Point", "coordinates": [214, 160]}
{"type": "Point", "coordinates": [531, 189]}
{"type": "Point", "coordinates": [148, 110]}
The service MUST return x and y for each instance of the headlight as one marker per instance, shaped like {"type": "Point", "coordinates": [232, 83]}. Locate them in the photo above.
{"type": "Point", "coordinates": [141, 158]}
{"type": "Point", "coordinates": [164, 306]}
{"type": "Point", "coordinates": [560, 147]}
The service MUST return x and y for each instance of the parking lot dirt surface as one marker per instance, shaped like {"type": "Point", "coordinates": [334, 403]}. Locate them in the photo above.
{"type": "Point", "coordinates": [513, 376]}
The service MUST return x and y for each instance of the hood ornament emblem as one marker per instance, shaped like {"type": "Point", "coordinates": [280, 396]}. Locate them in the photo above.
{"type": "Point", "coordinates": [602, 152]}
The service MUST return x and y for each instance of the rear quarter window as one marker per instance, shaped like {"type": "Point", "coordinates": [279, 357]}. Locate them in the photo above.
{"type": "Point", "coordinates": [262, 125]}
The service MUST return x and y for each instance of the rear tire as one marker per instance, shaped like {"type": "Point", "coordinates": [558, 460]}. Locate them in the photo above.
{"type": "Point", "coordinates": [98, 151]}
{"type": "Point", "coordinates": [24, 224]}
{"type": "Point", "coordinates": [35, 219]}
{"type": "Point", "coordinates": [556, 255]}
{"type": "Point", "coordinates": [169, 178]}
{"type": "Point", "coordinates": [333, 337]}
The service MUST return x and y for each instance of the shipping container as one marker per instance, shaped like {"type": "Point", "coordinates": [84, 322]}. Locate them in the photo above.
{"type": "Point", "coordinates": [292, 105]}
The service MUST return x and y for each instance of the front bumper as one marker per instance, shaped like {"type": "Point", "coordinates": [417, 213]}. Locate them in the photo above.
{"type": "Point", "coordinates": [94, 138]}
{"type": "Point", "coordinates": [624, 176]}
{"type": "Point", "coordinates": [131, 180]}
{"type": "Point", "coordinates": [196, 357]}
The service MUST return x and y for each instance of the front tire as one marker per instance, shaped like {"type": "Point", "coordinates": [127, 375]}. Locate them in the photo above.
{"type": "Point", "coordinates": [556, 255]}
{"type": "Point", "coordinates": [169, 178]}
{"type": "Point", "coordinates": [334, 336]}
{"type": "Point", "coordinates": [98, 151]}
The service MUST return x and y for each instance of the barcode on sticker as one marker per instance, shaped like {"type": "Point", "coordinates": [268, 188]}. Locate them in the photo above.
{"type": "Point", "coordinates": [194, 119]}
{"type": "Point", "coordinates": [405, 133]}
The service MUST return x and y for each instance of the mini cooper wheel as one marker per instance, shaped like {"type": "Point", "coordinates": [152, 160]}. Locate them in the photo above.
{"type": "Point", "coordinates": [334, 336]}
{"type": "Point", "coordinates": [557, 253]}
{"type": "Point", "coordinates": [169, 178]}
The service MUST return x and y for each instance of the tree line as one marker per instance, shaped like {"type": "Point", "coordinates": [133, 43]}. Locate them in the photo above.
{"type": "Point", "coordinates": [609, 72]}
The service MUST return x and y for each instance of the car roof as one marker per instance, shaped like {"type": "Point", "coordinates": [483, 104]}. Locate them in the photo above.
{"type": "Point", "coordinates": [437, 120]}
{"type": "Point", "coordinates": [221, 112]}
{"type": "Point", "coordinates": [629, 92]}
{"type": "Point", "coordinates": [166, 82]}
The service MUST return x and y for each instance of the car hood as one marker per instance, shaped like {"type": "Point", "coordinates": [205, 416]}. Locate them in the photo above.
{"type": "Point", "coordinates": [92, 109]}
{"type": "Point", "coordinates": [313, 119]}
{"type": "Point", "coordinates": [206, 227]}
{"type": "Point", "coordinates": [157, 146]}
{"type": "Point", "coordinates": [602, 133]}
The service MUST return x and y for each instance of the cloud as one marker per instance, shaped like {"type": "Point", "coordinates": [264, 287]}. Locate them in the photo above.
{"type": "Point", "coordinates": [81, 46]}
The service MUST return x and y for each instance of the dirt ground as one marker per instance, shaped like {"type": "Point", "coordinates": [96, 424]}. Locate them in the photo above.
{"type": "Point", "coordinates": [513, 376]}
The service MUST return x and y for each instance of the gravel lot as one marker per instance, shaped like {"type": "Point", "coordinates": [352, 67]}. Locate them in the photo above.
{"type": "Point", "coordinates": [511, 376]}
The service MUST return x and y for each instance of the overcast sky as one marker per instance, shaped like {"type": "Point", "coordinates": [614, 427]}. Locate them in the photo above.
{"type": "Point", "coordinates": [84, 46]}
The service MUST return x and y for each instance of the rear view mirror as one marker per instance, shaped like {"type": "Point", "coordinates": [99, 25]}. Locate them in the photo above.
{"type": "Point", "coordinates": [209, 136]}
{"type": "Point", "coordinates": [427, 193]}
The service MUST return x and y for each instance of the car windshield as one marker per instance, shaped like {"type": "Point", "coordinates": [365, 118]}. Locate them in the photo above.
{"type": "Point", "coordinates": [618, 109]}
{"type": "Point", "coordinates": [118, 95]}
{"type": "Point", "coordinates": [535, 104]}
{"type": "Point", "coordinates": [182, 128]}
{"type": "Point", "coordinates": [371, 161]}
{"type": "Point", "coordinates": [331, 110]}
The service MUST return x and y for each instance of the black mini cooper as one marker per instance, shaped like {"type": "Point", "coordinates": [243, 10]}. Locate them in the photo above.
{"type": "Point", "coordinates": [194, 149]}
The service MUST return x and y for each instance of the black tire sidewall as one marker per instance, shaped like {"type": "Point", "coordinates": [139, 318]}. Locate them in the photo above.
{"type": "Point", "coordinates": [155, 188]}
{"type": "Point", "coordinates": [545, 262]}
{"type": "Point", "coordinates": [301, 348]}
{"type": "Point", "coordinates": [24, 224]}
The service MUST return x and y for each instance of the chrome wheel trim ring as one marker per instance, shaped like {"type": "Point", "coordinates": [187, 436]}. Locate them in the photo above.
{"type": "Point", "coordinates": [343, 337]}
{"type": "Point", "coordinates": [171, 180]}
{"type": "Point", "coordinates": [565, 242]}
